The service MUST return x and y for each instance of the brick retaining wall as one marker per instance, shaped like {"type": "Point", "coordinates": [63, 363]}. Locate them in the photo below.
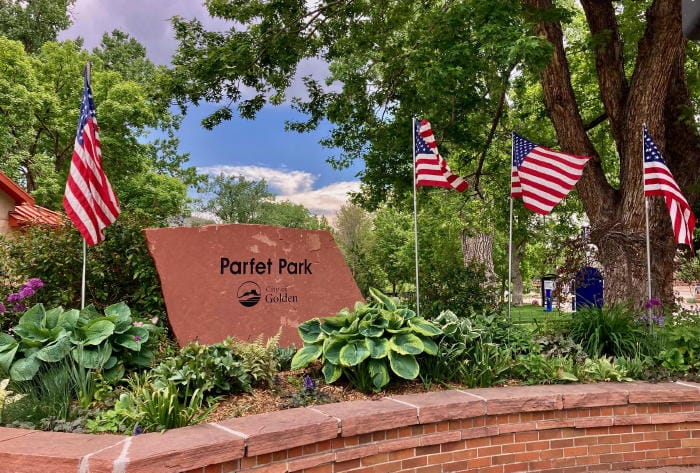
{"type": "Point", "coordinates": [561, 428]}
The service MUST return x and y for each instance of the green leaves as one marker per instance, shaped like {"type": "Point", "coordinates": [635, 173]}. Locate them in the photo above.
{"type": "Point", "coordinates": [369, 344]}
{"type": "Point", "coordinates": [106, 341]}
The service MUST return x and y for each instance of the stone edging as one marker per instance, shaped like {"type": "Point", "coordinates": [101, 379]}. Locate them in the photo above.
{"type": "Point", "coordinates": [557, 428]}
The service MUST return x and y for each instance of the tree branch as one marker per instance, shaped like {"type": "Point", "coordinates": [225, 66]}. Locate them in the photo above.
{"type": "Point", "coordinates": [609, 62]}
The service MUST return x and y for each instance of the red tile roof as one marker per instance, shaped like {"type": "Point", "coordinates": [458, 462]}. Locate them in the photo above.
{"type": "Point", "coordinates": [26, 212]}
{"type": "Point", "coordinates": [31, 214]}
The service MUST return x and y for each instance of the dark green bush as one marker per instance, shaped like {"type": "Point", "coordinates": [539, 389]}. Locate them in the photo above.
{"type": "Point", "coordinates": [118, 269]}
{"type": "Point", "coordinates": [610, 331]}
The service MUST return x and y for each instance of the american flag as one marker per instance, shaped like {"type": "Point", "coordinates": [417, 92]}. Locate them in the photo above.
{"type": "Point", "coordinates": [658, 180]}
{"type": "Point", "coordinates": [542, 177]}
{"type": "Point", "coordinates": [431, 168]}
{"type": "Point", "coordinates": [89, 200]}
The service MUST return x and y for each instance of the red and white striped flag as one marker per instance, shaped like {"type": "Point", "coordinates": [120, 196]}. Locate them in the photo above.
{"type": "Point", "coordinates": [89, 200]}
{"type": "Point", "coordinates": [542, 177]}
{"type": "Point", "coordinates": [431, 169]}
{"type": "Point", "coordinates": [658, 180]}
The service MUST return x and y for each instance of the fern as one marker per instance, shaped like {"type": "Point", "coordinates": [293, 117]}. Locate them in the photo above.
{"type": "Point", "coordinates": [257, 359]}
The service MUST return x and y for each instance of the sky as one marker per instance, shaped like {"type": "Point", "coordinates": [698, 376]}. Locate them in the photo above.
{"type": "Point", "coordinates": [294, 165]}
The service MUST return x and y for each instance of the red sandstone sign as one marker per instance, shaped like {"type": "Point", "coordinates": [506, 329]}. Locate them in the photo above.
{"type": "Point", "coordinates": [248, 280]}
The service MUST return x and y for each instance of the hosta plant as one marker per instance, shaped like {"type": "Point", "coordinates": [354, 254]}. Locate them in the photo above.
{"type": "Point", "coordinates": [369, 344]}
{"type": "Point", "coordinates": [109, 342]}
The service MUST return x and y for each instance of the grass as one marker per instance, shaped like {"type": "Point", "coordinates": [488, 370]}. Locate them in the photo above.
{"type": "Point", "coordinates": [529, 314]}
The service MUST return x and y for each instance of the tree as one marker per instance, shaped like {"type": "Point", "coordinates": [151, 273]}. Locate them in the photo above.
{"type": "Point", "coordinates": [34, 22]}
{"type": "Point", "coordinates": [288, 214]}
{"type": "Point", "coordinates": [353, 233]}
{"type": "Point", "coordinates": [453, 62]}
{"type": "Point", "coordinates": [235, 199]}
{"type": "Point", "coordinates": [38, 125]}
{"type": "Point", "coordinates": [650, 88]}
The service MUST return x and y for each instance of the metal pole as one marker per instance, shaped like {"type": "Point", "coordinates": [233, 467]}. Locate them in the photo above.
{"type": "Point", "coordinates": [646, 215]}
{"type": "Point", "coordinates": [510, 258]}
{"type": "Point", "coordinates": [510, 234]}
{"type": "Point", "coordinates": [415, 216]}
{"type": "Point", "coordinates": [88, 73]}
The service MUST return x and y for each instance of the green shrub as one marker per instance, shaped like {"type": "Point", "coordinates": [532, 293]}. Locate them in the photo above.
{"type": "Point", "coordinates": [210, 369]}
{"type": "Point", "coordinates": [46, 398]}
{"type": "Point", "coordinates": [610, 331]}
{"type": "Point", "coordinates": [118, 269]}
{"type": "Point", "coordinates": [111, 342]}
{"type": "Point", "coordinates": [538, 368]}
{"type": "Point", "coordinates": [258, 360]}
{"type": "Point", "coordinates": [367, 344]}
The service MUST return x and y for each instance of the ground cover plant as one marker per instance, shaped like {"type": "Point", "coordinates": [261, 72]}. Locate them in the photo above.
{"type": "Point", "coordinates": [58, 366]}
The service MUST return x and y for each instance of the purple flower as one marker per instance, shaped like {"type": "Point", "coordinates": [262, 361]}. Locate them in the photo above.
{"type": "Point", "coordinates": [19, 307]}
{"type": "Point", "coordinates": [154, 320]}
{"type": "Point", "coordinates": [137, 324]}
{"type": "Point", "coordinates": [14, 297]}
{"type": "Point", "coordinates": [26, 291]}
{"type": "Point", "coordinates": [35, 283]}
{"type": "Point", "coordinates": [309, 383]}
{"type": "Point", "coordinates": [136, 338]}
{"type": "Point", "coordinates": [3, 309]}
{"type": "Point", "coordinates": [652, 303]}
{"type": "Point", "coordinates": [138, 429]}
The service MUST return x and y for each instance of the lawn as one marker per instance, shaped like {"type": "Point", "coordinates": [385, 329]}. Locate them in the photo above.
{"type": "Point", "coordinates": [528, 314]}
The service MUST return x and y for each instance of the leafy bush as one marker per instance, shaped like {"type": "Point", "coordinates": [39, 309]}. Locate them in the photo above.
{"type": "Point", "coordinates": [610, 331]}
{"type": "Point", "coordinates": [111, 342]}
{"type": "Point", "coordinates": [538, 368]}
{"type": "Point", "coordinates": [367, 344]}
{"type": "Point", "coordinates": [46, 398]}
{"type": "Point", "coordinates": [209, 369]}
{"type": "Point", "coordinates": [149, 406]}
{"type": "Point", "coordinates": [258, 360]}
{"type": "Point", "coordinates": [118, 269]}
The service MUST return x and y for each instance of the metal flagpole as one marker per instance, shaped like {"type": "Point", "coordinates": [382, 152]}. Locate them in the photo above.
{"type": "Point", "coordinates": [510, 257]}
{"type": "Point", "coordinates": [415, 216]}
{"type": "Point", "coordinates": [510, 235]}
{"type": "Point", "coordinates": [646, 214]}
{"type": "Point", "coordinates": [88, 71]}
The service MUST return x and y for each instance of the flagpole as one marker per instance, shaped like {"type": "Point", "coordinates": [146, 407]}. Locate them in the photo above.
{"type": "Point", "coordinates": [415, 214]}
{"type": "Point", "coordinates": [88, 77]}
{"type": "Point", "coordinates": [510, 234]}
{"type": "Point", "coordinates": [646, 215]}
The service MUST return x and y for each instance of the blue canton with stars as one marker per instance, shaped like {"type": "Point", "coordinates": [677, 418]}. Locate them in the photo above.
{"type": "Point", "coordinates": [87, 111]}
{"type": "Point", "coordinates": [521, 148]}
{"type": "Point", "coordinates": [421, 146]}
{"type": "Point", "coordinates": [651, 152]}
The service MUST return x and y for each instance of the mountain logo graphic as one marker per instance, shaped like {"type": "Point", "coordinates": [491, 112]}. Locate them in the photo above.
{"type": "Point", "coordinates": [248, 294]}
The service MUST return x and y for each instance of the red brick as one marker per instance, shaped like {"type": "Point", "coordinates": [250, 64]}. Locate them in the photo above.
{"type": "Point", "coordinates": [389, 467]}
{"type": "Point", "coordinates": [561, 443]}
{"type": "Point", "coordinates": [454, 466]}
{"type": "Point", "coordinates": [309, 462]}
{"type": "Point", "coordinates": [429, 469]}
{"type": "Point", "coordinates": [526, 436]}
{"type": "Point", "coordinates": [414, 462]}
{"type": "Point", "coordinates": [440, 458]}
{"type": "Point", "coordinates": [321, 469]}
{"type": "Point", "coordinates": [346, 465]}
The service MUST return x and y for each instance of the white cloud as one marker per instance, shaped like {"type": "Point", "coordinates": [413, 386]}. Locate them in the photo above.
{"type": "Point", "coordinates": [294, 186]}
{"type": "Point", "coordinates": [326, 200]}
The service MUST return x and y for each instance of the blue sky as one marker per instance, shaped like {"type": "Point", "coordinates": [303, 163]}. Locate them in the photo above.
{"type": "Point", "coordinates": [294, 165]}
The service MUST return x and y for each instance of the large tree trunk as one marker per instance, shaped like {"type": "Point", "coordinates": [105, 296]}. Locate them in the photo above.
{"type": "Point", "coordinates": [479, 249]}
{"type": "Point", "coordinates": [654, 95]}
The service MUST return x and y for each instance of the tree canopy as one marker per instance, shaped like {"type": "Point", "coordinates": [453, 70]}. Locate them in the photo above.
{"type": "Point", "coordinates": [582, 77]}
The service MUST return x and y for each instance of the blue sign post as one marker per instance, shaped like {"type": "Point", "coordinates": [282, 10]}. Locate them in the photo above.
{"type": "Point", "coordinates": [548, 291]}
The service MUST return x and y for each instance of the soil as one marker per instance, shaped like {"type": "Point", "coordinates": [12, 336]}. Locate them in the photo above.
{"type": "Point", "coordinates": [288, 391]}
